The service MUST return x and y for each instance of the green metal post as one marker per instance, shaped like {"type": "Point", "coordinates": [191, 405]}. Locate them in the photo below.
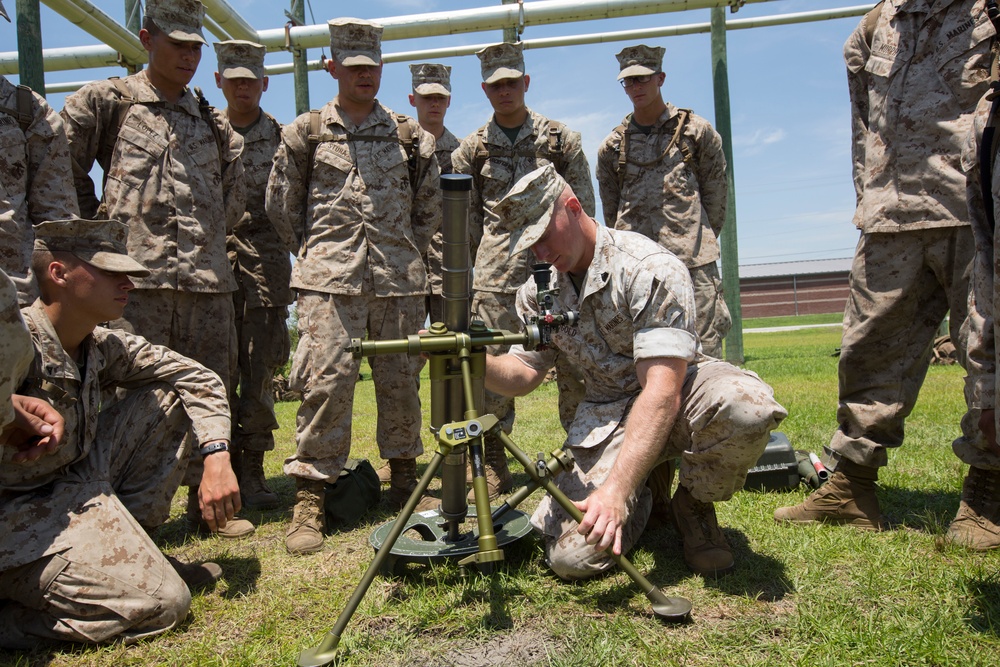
{"type": "Point", "coordinates": [300, 60]}
{"type": "Point", "coordinates": [30, 66]}
{"type": "Point", "coordinates": [133, 21]}
{"type": "Point", "coordinates": [730, 249]}
{"type": "Point", "coordinates": [510, 34]}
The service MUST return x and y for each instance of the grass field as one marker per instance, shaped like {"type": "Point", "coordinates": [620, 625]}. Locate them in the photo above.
{"type": "Point", "coordinates": [799, 596]}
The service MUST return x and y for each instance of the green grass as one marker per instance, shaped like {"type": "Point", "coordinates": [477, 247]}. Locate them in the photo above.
{"type": "Point", "coordinates": [811, 596]}
{"type": "Point", "coordinates": [792, 320]}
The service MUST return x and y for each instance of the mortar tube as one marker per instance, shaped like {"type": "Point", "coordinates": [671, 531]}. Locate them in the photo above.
{"type": "Point", "coordinates": [456, 294]}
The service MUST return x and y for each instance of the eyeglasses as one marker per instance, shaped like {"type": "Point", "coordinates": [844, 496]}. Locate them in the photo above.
{"type": "Point", "coordinates": [630, 81]}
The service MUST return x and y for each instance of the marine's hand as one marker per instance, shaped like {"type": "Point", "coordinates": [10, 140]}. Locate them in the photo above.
{"type": "Point", "coordinates": [37, 429]}
{"type": "Point", "coordinates": [603, 518]}
{"type": "Point", "coordinates": [219, 492]}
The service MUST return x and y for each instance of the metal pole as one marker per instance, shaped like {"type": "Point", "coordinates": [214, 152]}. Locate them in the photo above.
{"type": "Point", "coordinates": [31, 67]}
{"type": "Point", "coordinates": [133, 21]}
{"type": "Point", "coordinates": [300, 62]}
{"type": "Point", "coordinates": [510, 34]}
{"type": "Point", "coordinates": [730, 250]}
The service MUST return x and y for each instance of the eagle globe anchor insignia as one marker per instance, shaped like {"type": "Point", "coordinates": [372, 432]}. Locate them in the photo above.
{"type": "Point", "coordinates": [456, 353]}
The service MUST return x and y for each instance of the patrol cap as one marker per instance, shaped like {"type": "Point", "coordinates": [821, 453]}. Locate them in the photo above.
{"type": "Point", "coordinates": [100, 243]}
{"type": "Point", "coordinates": [431, 79]}
{"type": "Point", "coordinates": [640, 60]}
{"type": "Point", "coordinates": [3, 12]}
{"type": "Point", "coordinates": [240, 59]}
{"type": "Point", "coordinates": [502, 61]}
{"type": "Point", "coordinates": [179, 19]}
{"type": "Point", "coordinates": [528, 206]}
{"type": "Point", "coordinates": [356, 42]}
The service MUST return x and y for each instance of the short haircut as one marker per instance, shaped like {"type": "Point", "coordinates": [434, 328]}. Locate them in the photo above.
{"type": "Point", "coordinates": [150, 27]}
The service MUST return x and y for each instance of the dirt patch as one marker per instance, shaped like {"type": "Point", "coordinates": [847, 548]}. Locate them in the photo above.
{"type": "Point", "coordinates": [511, 649]}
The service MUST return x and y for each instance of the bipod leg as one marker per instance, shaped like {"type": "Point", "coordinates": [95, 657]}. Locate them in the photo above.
{"type": "Point", "coordinates": [326, 651]}
{"type": "Point", "coordinates": [667, 608]}
{"type": "Point", "coordinates": [560, 460]}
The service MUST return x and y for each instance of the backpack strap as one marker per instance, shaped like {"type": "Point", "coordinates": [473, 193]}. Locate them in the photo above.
{"type": "Point", "coordinates": [555, 146]}
{"type": "Point", "coordinates": [24, 113]}
{"type": "Point", "coordinates": [206, 110]}
{"type": "Point", "coordinates": [676, 139]}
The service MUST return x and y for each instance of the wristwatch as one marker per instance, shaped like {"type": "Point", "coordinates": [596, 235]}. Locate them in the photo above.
{"type": "Point", "coordinates": [213, 447]}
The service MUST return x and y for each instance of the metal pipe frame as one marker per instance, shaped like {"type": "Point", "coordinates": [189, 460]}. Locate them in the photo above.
{"type": "Point", "coordinates": [93, 20]}
{"type": "Point", "coordinates": [229, 20]}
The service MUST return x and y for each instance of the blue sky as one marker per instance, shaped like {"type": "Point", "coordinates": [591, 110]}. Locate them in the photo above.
{"type": "Point", "coordinates": [790, 115]}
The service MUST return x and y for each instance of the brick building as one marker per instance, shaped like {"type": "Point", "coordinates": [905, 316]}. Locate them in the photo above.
{"type": "Point", "coordinates": [807, 287]}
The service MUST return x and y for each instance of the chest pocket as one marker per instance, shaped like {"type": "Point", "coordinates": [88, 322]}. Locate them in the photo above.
{"type": "Point", "coordinates": [13, 155]}
{"type": "Point", "coordinates": [963, 62]}
{"type": "Point", "coordinates": [209, 166]}
{"type": "Point", "coordinates": [499, 171]}
{"type": "Point", "coordinates": [389, 156]}
{"type": "Point", "coordinates": [617, 332]}
{"type": "Point", "coordinates": [333, 164]}
{"type": "Point", "coordinates": [135, 156]}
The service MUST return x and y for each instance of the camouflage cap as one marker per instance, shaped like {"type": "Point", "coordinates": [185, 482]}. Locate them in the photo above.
{"type": "Point", "coordinates": [356, 42]}
{"type": "Point", "coordinates": [240, 59]}
{"type": "Point", "coordinates": [640, 60]}
{"type": "Point", "coordinates": [3, 12]}
{"type": "Point", "coordinates": [528, 206]}
{"type": "Point", "coordinates": [431, 79]}
{"type": "Point", "coordinates": [179, 19]}
{"type": "Point", "coordinates": [502, 61]}
{"type": "Point", "coordinates": [101, 243]}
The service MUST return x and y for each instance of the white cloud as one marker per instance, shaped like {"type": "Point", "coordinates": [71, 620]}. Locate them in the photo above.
{"type": "Point", "coordinates": [754, 143]}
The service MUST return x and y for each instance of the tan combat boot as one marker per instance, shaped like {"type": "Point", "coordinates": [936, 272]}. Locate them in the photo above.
{"type": "Point", "coordinates": [848, 497]}
{"type": "Point", "coordinates": [976, 526]}
{"type": "Point", "coordinates": [402, 482]}
{"type": "Point", "coordinates": [305, 532]}
{"type": "Point", "coordinates": [498, 478]}
{"type": "Point", "coordinates": [253, 486]}
{"type": "Point", "coordinates": [706, 551]}
{"type": "Point", "coordinates": [235, 528]}
{"type": "Point", "coordinates": [384, 474]}
{"type": "Point", "coordinates": [197, 576]}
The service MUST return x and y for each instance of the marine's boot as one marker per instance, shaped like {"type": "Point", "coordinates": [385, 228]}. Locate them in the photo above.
{"type": "Point", "coordinates": [402, 482]}
{"type": "Point", "coordinates": [253, 486]}
{"type": "Point", "coordinates": [706, 551]}
{"type": "Point", "coordinates": [384, 474]}
{"type": "Point", "coordinates": [848, 497]}
{"type": "Point", "coordinates": [660, 481]}
{"type": "Point", "coordinates": [498, 478]}
{"type": "Point", "coordinates": [235, 528]}
{"type": "Point", "coordinates": [976, 526]}
{"type": "Point", "coordinates": [305, 532]}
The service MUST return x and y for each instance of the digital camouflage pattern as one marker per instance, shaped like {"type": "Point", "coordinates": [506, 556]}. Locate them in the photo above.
{"type": "Point", "coordinates": [913, 92]}
{"type": "Point", "coordinates": [167, 179]}
{"type": "Point", "coordinates": [179, 19]}
{"type": "Point", "coordinates": [981, 364]}
{"type": "Point", "coordinates": [260, 256]}
{"type": "Point", "coordinates": [77, 564]}
{"type": "Point", "coordinates": [36, 183]}
{"type": "Point", "coordinates": [636, 304]}
{"type": "Point", "coordinates": [355, 42]}
{"type": "Point", "coordinates": [496, 271]}
{"type": "Point", "coordinates": [240, 59]}
{"type": "Point", "coordinates": [679, 204]}
{"type": "Point", "coordinates": [15, 348]}
{"type": "Point", "coordinates": [431, 79]}
{"type": "Point", "coordinates": [361, 230]}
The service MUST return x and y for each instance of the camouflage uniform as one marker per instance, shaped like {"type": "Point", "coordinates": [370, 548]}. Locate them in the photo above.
{"type": "Point", "coordinates": [912, 93]}
{"type": "Point", "coordinates": [15, 348]}
{"type": "Point", "coordinates": [497, 276]}
{"type": "Point", "coordinates": [36, 182]}
{"type": "Point", "coordinates": [259, 253]}
{"type": "Point", "coordinates": [679, 203]}
{"type": "Point", "coordinates": [361, 230]}
{"type": "Point", "coordinates": [180, 192]}
{"type": "Point", "coordinates": [76, 563]}
{"type": "Point", "coordinates": [637, 304]}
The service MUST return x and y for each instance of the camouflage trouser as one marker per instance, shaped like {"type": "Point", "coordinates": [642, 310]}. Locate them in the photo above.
{"type": "Point", "coordinates": [324, 371]}
{"type": "Point", "coordinates": [101, 577]}
{"type": "Point", "coordinates": [713, 320]}
{"type": "Point", "coordinates": [263, 348]}
{"type": "Point", "coordinates": [199, 326]}
{"type": "Point", "coordinates": [902, 286]}
{"type": "Point", "coordinates": [725, 418]}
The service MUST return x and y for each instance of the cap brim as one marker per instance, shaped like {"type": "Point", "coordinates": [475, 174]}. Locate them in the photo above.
{"type": "Point", "coordinates": [635, 70]}
{"type": "Point", "coordinates": [358, 59]}
{"type": "Point", "coordinates": [185, 36]}
{"type": "Point", "coordinates": [530, 235]}
{"type": "Point", "coordinates": [239, 73]}
{"type": "Point", "coordinates": [502, 73]}
{"type": "Point", "coordinates": [432, 89]}
{"type": "Point", "coordinates": [114, 262]}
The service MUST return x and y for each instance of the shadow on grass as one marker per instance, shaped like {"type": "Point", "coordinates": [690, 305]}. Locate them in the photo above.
{"type": "Point", "coordinates": [241, 574]}
{"type": "Point", "coordinates": [985, 614]}
{"type": "Point", "coordinates": [39, 657]}
{"type": "Point", "coordinates": [926, 510]}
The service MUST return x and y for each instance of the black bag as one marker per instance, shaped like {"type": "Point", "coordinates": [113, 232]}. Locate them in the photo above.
{"type": "Point", "coordinates": [356, 491]}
